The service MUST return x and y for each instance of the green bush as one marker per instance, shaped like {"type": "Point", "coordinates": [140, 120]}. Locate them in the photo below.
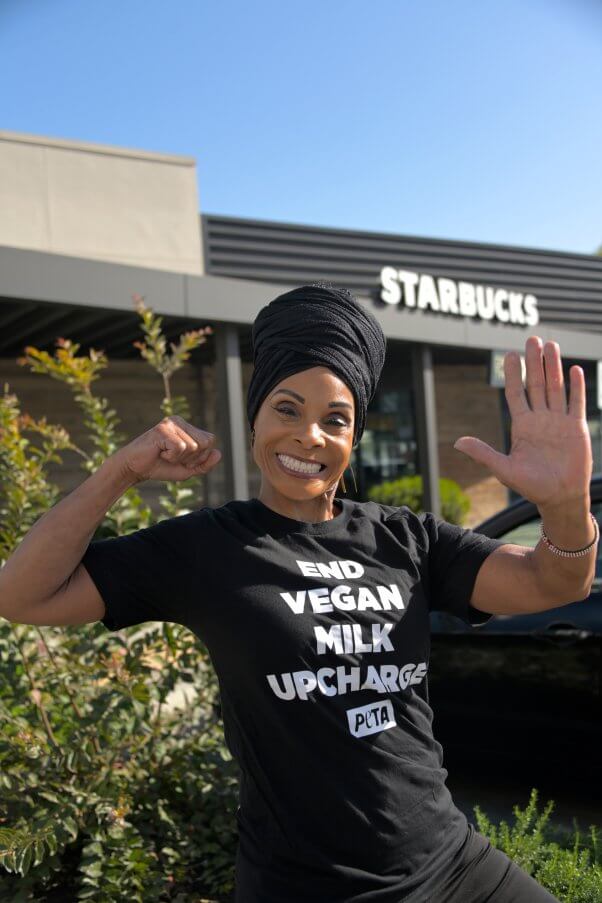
{"type": "Point", "coordinates": [565, 864]}
{"type": "Point", "coordinates": [106, 792]}
{"type": "Point", "coordinates": [455, 504]}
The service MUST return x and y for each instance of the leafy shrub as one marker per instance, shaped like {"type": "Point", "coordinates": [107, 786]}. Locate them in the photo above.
{"type": "Point", "coordinates": [106, 792]}
{"type": "Point", "coordinates": [565, 865]}
{"type": "Point", "coordinates": [409, 491]}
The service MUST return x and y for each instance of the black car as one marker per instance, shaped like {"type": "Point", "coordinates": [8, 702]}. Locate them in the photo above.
{"type": "Point", "coordinates": [527, 686]}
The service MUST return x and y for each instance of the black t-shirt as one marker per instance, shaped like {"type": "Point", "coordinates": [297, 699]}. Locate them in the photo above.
{"type": "Point", "coordinates": [319, 635]}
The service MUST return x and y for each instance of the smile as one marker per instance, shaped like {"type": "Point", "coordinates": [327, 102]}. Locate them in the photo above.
{"type": "Point", "coordinates": [294, 465]}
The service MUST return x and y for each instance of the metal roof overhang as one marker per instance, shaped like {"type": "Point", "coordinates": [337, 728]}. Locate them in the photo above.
{"type": "Point", "coordinates": [90, 292]}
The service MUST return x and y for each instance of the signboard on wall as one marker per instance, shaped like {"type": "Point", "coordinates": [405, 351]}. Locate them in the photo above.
{"type": "Point", "coordinates": [496, 373]}
{"type": "Point", "coordinates": [421, 291]}
{"type": "Point", "coordinates": [496, 369]}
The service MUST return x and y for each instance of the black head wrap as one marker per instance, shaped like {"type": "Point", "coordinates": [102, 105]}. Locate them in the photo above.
{"type": "Point", "coordinates": [311, 326]}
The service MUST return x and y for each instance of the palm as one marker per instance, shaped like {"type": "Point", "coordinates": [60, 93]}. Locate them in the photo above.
{"type": "Point", "coordinates": [550, 459]}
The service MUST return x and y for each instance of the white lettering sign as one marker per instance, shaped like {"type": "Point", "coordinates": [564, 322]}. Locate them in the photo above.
{"type": "Point", "coordinates": [464, 299]}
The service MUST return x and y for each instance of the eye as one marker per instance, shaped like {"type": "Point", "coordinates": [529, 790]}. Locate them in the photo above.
{"type": "Point", "coordinates": [338, 420]}
{"type": "Point", "coordinates": [287, 410]}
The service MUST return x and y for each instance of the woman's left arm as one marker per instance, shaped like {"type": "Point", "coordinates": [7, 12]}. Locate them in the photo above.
{"type": "Point", "coordinates": [550, 463]}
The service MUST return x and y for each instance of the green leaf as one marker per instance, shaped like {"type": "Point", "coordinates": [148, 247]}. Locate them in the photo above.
{"type": "Point", "coordinates": [52, 843]}
{"type": "Point", "coordinates": [141, 692]}
{"type": "Point", "coordinates": [70, 825]}
{"type": "Point", "coordinates": [39, 851]}
{"type": "Point", "coordinates": [92, 869]}
{"type": "Point", "coordinates": [94, 848]}
{"type": "Point", "coordinates": [24, 860]}
{"type": "Point", "coordinates": [49, 795]}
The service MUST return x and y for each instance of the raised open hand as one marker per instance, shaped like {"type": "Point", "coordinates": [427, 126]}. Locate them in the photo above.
{"type": "Point", "coordinates": [550, 461]}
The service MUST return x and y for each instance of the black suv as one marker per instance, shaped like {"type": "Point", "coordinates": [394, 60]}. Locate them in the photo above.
{"type": "Point", "coordinates": [526, 686]}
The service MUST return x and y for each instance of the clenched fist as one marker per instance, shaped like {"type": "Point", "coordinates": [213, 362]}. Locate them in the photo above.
{"type": "Point", "coordinates": [172, 450]}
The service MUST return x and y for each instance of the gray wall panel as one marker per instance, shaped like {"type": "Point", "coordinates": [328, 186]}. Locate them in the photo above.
{"type": "Point", "coordinates": [568, 286]}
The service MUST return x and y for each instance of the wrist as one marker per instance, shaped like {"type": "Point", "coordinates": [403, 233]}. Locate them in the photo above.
{"type": "Point", "coordinates": [120, 473]}
{"type": "Point", "coordinates": [569, 525]}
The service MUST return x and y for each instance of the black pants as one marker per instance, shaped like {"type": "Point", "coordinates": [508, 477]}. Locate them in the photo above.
{"type": "Point", "coordinates": [483, 874]}
{"type": "Point", "coordinates": [478, 873]}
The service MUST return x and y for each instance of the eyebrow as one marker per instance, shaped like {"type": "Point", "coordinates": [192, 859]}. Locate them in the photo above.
{"type": "Point", "coordinates": [331, 404]}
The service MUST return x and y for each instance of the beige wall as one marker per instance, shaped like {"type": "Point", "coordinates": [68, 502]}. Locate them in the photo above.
{"type": "Point", "coordinates": [102, 203]}
{"type": "Point", "coordinates": [468, 406]}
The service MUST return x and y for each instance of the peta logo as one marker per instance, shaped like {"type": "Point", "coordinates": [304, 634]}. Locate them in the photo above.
{"type": "Point", "coordinates": [370, 719]}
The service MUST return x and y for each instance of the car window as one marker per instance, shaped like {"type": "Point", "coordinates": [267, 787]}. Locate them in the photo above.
{"type": "Point", "coordinates": [527, 534]}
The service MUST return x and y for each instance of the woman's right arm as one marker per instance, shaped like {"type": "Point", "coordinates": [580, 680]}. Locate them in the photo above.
{"type": "Point", "coordinates": [43, 581]}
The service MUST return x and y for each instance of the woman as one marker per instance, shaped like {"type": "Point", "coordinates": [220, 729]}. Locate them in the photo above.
{"type": "Point", "coordinates": [315, 609]}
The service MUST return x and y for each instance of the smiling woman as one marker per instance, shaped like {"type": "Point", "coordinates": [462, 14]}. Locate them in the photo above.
{"type": "Point", "coordinates": [315, 612]}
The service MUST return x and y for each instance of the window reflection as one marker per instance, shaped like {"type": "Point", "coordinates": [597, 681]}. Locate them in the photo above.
{"type": "Point", "coordinates": [387, 450]}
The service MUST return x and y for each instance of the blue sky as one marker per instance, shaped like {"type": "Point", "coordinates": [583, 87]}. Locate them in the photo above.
{"type": "Point", "coordinates": [472, 119]}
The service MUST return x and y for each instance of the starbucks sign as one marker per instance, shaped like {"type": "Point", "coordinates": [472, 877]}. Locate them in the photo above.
{"type": "Point", "coordinates": [421, 291]}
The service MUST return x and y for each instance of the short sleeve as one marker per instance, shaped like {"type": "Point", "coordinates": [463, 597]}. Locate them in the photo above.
{"type": "Point", "coordinates": [455, 555]}
{"type": "Point", "coordinates": [151, 574]}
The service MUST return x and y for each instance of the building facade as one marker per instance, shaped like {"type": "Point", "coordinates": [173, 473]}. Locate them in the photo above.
{"type": "Point", "coordinates": [84, 227]}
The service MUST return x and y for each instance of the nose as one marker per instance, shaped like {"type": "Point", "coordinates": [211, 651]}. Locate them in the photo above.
{"type": "Point", "coordinates": [310, 435]}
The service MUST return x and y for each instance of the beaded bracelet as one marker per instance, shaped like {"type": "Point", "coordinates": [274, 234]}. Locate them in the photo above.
{"type": "Point", "coordinates": [579, 552]}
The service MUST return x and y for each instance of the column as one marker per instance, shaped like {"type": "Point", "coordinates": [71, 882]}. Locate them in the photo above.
{"type": "Point", "coordinates": [230, 406]}
{"type": "Point", "coordinates": [426, 425]}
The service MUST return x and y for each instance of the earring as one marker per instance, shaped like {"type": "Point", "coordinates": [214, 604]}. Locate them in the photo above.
{"type": "Point", "coordinates": [353, 475]}
{"type": "Point", "coordinates": [252, 438]}
{"type": "Point", "coordinates": [342, 482]}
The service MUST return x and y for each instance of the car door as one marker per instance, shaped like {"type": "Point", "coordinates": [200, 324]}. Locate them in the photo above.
{"type": "Point", "coordinates": [523, 684]}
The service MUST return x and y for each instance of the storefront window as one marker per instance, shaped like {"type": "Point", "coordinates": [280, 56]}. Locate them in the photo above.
{"type": "Point", "coordinates": [388, 447]}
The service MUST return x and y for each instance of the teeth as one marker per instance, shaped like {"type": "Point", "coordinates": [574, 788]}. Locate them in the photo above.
{"type": "Point", "coordinates": [299, 466]}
